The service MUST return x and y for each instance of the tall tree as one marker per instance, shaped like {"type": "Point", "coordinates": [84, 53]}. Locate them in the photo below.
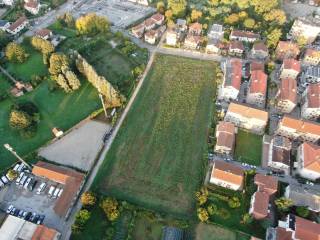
{"type": "Point", "coordinates": [57, 63]}
{"type": "Point", "coordinates": [261, 6]}
{"type": "Point", "coordinates": [273, 37]}
{"type": "Point", "coordinates": [276, 15]}
{"type": "Point", "coordinates": [44, 46]}
{"type": "Point", "coordinates": [178, 7]}
{"type": "Point", "coordinates": [19, 119]}
{"type": "Point", "coordinates": [73, 80]}
{"type": "Point", "coordinates": [92, 24]}
{"type": "Point", "coordinates": [16, 53]}
{"type": "Point", "coordinates": [195, 15]}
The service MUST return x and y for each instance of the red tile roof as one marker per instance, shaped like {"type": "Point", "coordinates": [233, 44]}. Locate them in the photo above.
{"type": "Point", "coordinates": [258, 82]}
{"type": "Point", "coordinates": [228, 172]}
{"type": "Point", "coordinates": [195, 27]}
{"type": "Point", "coordinates": [288, 90]}
{"type": "Point", "coordinates": [254, 65]}
{"type": "Point", "coordinates": [236, 45]}
{"type": "Point", "coordinates": [286, 48]}
{"type": "Point", "coordinates": [236, 73]}
{"type": "Point", "coordinates": [157, 17]}
{"type": "Point", "coordinates": [260, 205]}
{"type": "Point", "coordinates": [260, 46]}
{"type": "Point", "coordinates": [265, 183]}
{"type": "Point", "coordinates": [291, 64]}
{"type": "Point", "coordinates": [17, 23]}
{"type": "Point", "coordinates": [313, 53]}
{"type": "Point", "coordinates": [225, 134]}
{"type": "Point", "coordinates": [306, 230]}
{"type": "Point", "coordinates": [313, 95]}
{"type": "Point", "coordinates": [300, 125]}
{"type": "Point", "coordinates": [44, 233]}
{"type": "Point", "coordinates": [283, 234]}
{"type": "Point", "coordinates": [311, 156]}
{"type": "Point", "coordinates": [149, 22]}
{"type": "Point", "coordinates": [31, 4]}
{"type": "Point", "coordinates": [43, 32]}
{"type": "Point", "coordinates": [238, 33]}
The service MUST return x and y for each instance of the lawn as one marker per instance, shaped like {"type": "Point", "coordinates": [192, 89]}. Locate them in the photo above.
{"type": "Point", "coordinates": [33, 66]}
{"type": "Point", "coordinates": [248, 148]}
{"type": "Point", "coordinates": [156, 160]}
{"type": "Point", "coordinates": [57, 109]}
{"type": "Point", "coordinates": [4, 85]}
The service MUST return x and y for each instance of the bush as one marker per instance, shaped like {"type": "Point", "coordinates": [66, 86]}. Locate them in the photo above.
{"type": "Point", "coordinates": [234, 202]}
{"type": "Point", "coordinates": [82, 217]}
{"type": "Point", "coordinates": [213, 209]}
{"type": "Point", "coordinates": [88, 199]}
{"type": "Point", "coordinates": [224, 213]}
{"type": "Point", "coordinates": [19, 120]}
{"type": "Point", "coordinates": [302, 211]}
{"type": "Point", "coordinates": [110, 208]}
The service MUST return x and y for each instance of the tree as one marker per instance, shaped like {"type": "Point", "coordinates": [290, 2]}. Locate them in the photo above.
{"type": "Point", "coordinates": [88, 199]}
{"type": "Point", "coordinates": [243, 4]}
{"type": "Point", "coordinates": [213, 209]}
{"type": "Point", "coordinates": [202, 195]}
{"type": "Point", "coordinates": [19, 119]}
{"type": "Point", "coordinates": [15, 53]}
{"type": "Point", "coordinates": [12, 174]}
{"type": "Point", "coordinates": [243, 14]}
{"type": "Point", "coordinates": [82, 217]}
{"type": "Point", "coordinates": [169, 14]}
{"type": "Point", "coordinates": [246, 219]}
{"type": "Point", "coordinates": [92, 24]}
{"type": "Point", "coordinates": [264, 6]}
{"type": "Point", "coordinates": [302, 41]}
{"type": "Point", "coordinates": [44, 46]}
{"type": "Point", "coordinates": [161, 7]}
{"type": "Point", "coordinates": [202, 214]}
{"type": "Point", "coordinates": [110, 208]}
{"type": "Point", "coordinates": [302, 211]}
{"type": "Point", "coordinates": [232, 19]}
{"type": "Point", "coordinates": [273, 37]}
{"type": "Point", "coordinates": [72, 80]}
{"type": "Point", "coordinates": [249, 23]}
{"type": "Point", "coordinates": [112, 97]}
{"type": "Point", "coordinates": [67, 19]}
{"type": "Point", "coordinates": [284, 204]}
{"type": "Point", "coordinates": [57, 63]}
{"type": "Point", "coordinates": [195, 15]}
{"type": "Point", "coordinates": [276, 15]}
{"type": "Point", "coordinates": [62, 82]}
{"type": "Point", "coordinates": [178, 7]}
{"type": "Point", "coordinates": [234, 202]}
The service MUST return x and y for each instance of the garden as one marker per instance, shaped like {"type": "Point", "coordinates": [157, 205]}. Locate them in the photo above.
{"type": "Point", "coordinates": [248, 148]}
{"type": "Point", "coordinates": [163, 139]}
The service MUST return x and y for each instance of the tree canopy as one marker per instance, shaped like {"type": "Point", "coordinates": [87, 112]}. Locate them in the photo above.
{"type": "Point", "coordinates": [92, 24]}
{"type": "Point", "coordinates": [16, 53]}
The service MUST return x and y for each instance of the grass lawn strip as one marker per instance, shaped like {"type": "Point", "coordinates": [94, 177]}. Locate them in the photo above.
{"type": "Point", "coordinates": [156, 159]}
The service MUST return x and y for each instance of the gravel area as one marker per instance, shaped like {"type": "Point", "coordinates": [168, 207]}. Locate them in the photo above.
{"type": "Point", "coordinates": [79, 147]}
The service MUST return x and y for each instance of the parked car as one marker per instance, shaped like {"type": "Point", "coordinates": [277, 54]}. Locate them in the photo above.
{"type": "Point", "coordinates": [16, 167]}
{"type": "Point", "coordinates": [16, 212]}
{"type": "Point", "coordinates": [9, 209]}
{"type": "Point", "coordinates": [25, 186]}
{"type": "Point", "coordinates": [32, 184]}
{"type": "Point", "coordinates": [55, 194]}
{"type": "Point", "coordinates": [1, 184]}
{"type": "Point", "coordinates": [60, 192]}
{"type": "Point", "coordinates": [51, 190]}
{"type": "Point", "coordinates": [28, 215]}
{"type": "Point", "coordinates": [23, 180]}
{"type": "Point", "coordinates": [41, 188]}
{"type": "Point", "coordinates": [4, 179]}
{"type": "Point", "coordinates": [20, 215]}
{"type": "Point", "coordinates": [36, 218]}
{"type": "Point", "coordinates": [12, 210]}
{"type": "Point", "coordinates": [40, 220]}
{"type": "Point", "coordinates": [21, 167]}
{"type": "Point", "coordinates": [33, 215]}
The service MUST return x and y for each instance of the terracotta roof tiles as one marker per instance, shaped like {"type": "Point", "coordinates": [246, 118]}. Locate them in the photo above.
{"type": "Point", "coordinates": [258, 82]}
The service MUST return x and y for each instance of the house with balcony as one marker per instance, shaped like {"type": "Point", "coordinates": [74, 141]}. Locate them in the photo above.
{"type": "Point", "coordinates": [311, 57]}
{"type": "Point", "coordinates": [290, 68]}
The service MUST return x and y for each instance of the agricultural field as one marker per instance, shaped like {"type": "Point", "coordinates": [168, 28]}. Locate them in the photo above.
{"type": "Point", "coordinates": [248, 148]}
{"type": "Point", "coordinates": [157, 160]}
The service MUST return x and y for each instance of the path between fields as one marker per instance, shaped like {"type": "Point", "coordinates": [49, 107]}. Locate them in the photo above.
{"type": "Point", "coordinates": [67, 229]}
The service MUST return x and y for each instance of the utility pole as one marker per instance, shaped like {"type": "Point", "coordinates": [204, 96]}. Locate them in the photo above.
{"type": "Point", "coordinates": [104, 106]}
{"type": "Point", "coordinates": [10, 149]}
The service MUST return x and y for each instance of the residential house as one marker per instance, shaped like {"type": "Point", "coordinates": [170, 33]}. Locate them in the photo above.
{"type": "Point", "coordinates": [257, 90]}
{"type": "Point", "coordinates": [231, 79]}
{"type": "Point", "coordinates": [298, 129]}
{"type": "Point", "coordinates": [286, 97]}
{"type": "Point", "coordinates": [71, 180]}
{"type": "Point", "coordinates": [308, 28]}
{"type": "Point", "coordinates": [260, 200]}
{"type": "Point", "coordinates": [192, 41]}
{"type": "Point", "coordinates": [32, 6]}
{"type": "Point", "coordinates": [236, 48]}
{"type": "Point", "coordinates": [227, 175]}
{"type": "Point", "coordinates": [259, 51]}
{"type": "Point", "coordinates": [4, 25]}
{"type": "Point", "coordinates": [16, 228]}
{"type": "Point", "coordinates": [287, 49]}
{"type": "Point", "coordinates": [308, 161]}
{"type": "Point", "coordinates": [149, 24]}
{"type": "Point", "coordinates": [18, 25]}
{"type": "Point", "coordinates": [249, 118]}
{"type": "Point", "coordinates": [195, 29]}
{"type": "Point", "coordinates": [256, 66]}
{"type": "Point", "coordinates": [311, 102]}
{"type": "Point", "coordinates": [151, 36]}
{"type": "Point", "coordinates": [138, 30]}
{"type": "Point", "coordinates": [216, 32]}
{"type": "Point", "coordinates": [44, 33]}
{"type": "Point", "coordinates": [290, 68]}
{"type": "Point", "coordinates": [171, 37]}
{"type": "Point", "coordinates": [311, 75]}
{"type": "Point", "coordinates": [213, 46]}
{"type": "Point", "coordinates": [311, 57]}
{"type": "Point", "coordinates": [302, 229]}
{"type": "Point", "coordinates": [278, 153]}
{"type": "Point", "coordinates": [303, 197]}
{"type": "Point", "coordinates": [226, 137]}
{"type": "Point", "coordinates": [244, 36]}
{"type": "Point", "coordinates": [181, 25]}
{"type": "Point", "coordinates": [278, 233]}
{"type": "Point", "coordinates": [158, 19]}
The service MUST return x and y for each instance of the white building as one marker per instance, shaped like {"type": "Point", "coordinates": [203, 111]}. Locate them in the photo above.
{"type": "Point", "coordinates": [216, 32]}
{"type": "Point", "coordinates": [311, 102]}
{"type": "Point", "coordinates": [308, 28]}
{"type": "Point", "coordinates": [18, 25]}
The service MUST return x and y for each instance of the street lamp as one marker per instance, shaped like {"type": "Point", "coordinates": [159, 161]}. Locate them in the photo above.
{"type": "Point", "coordinates": [10, 149]}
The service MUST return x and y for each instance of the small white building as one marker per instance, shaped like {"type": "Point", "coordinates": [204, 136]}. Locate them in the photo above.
{"type": "Point", "coordinates": [18, 25]}
{"type": "Point", "coordinates": [311, 102]}
{"type": "Point", "coordinates": [216, 32]}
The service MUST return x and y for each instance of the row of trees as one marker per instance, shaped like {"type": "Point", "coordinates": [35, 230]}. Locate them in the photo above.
{"type": "Point", "coordinates": [44, 46]}
{"type": "Point", "coordinates": [16, 53]}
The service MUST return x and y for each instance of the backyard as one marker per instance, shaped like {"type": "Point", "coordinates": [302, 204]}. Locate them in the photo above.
{"type": "Point", "coordinates": [157, 160]}
{"type": "Point", "coordinates": [248, 148]}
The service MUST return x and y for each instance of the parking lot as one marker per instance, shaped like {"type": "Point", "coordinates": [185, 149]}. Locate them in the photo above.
{"type": "Point", "coordinates": [120, 13]}
{"type": "Point", "coordinates": [30, 204]}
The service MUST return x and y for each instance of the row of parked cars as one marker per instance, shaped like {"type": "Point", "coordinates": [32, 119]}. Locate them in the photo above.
{"type": "Point", "coordinates": [28, 216]}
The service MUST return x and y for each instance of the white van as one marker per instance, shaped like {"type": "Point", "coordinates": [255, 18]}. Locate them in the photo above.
{"type": "Point", "coordinates": [55, 194]}
{"type": "Point", "coordinates": [16, 167]}
{"type": "Point", "coordinates": [60, 192]}
{"type": "Point", "coordinates": [41, 188]}
{"type": "Point", "coordinates": [27, 183]}
{"type": "Point", "coordinates": [52, 188]}
{"type": "Point", "coordinates": [23, 180]}
{"type": "Point", "coordinates": [20, 168]}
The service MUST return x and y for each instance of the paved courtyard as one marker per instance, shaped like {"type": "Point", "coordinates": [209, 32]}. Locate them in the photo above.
{"type": "Point", "coordinates": [121, 13]}
{"type": "Point", "coordinates": [79, 147]}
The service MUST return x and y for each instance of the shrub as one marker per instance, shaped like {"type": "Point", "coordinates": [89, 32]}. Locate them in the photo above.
{"type": "Point", "coordinates": [224, 213]}
{"type": "Point", "coordinates": [234, 202]}
{"type": "Point", "coordinates": [88, 199]}
{"type": "Point", "coordinates": [19, 119]}
{"type": "Point", "coordinates": [202, 214]}
{"type": "Point", "coordinates": [82, 217]}
{"type": "Point", "coordinates": [213, 209]}
{"type": "Point", "coordinates": [302, 211]}
{"type": "Point", "coordinates": [110, 208]}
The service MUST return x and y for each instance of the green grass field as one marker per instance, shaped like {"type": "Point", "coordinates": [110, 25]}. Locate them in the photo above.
{"type": "Point", "coordinates": [248, 148]}
{"type": "Point", "coordinates": [156, 160]}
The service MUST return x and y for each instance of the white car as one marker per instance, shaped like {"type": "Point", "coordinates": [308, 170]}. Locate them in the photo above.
{"type": "Point", "coordinates": [27, 183]}
{"type": "Point", "coordinates": [16, 167]}
{"type": "Point", "coordinates": [4, 179]}
{"type": "Point", "coordinates": [23, 180]}
{"type": "Point", "coordinates": [52, 188]}
{"type": "Point", "coordinates": [19, 178]}
{"type": "Point", "coordinates": [55, 194]}
{"type": "Point", "coordinates": [60, 192]}
{"type": "Point", "coordinates": [9, 209]}
{"type": "Point", "coordinates": [41, 188]}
